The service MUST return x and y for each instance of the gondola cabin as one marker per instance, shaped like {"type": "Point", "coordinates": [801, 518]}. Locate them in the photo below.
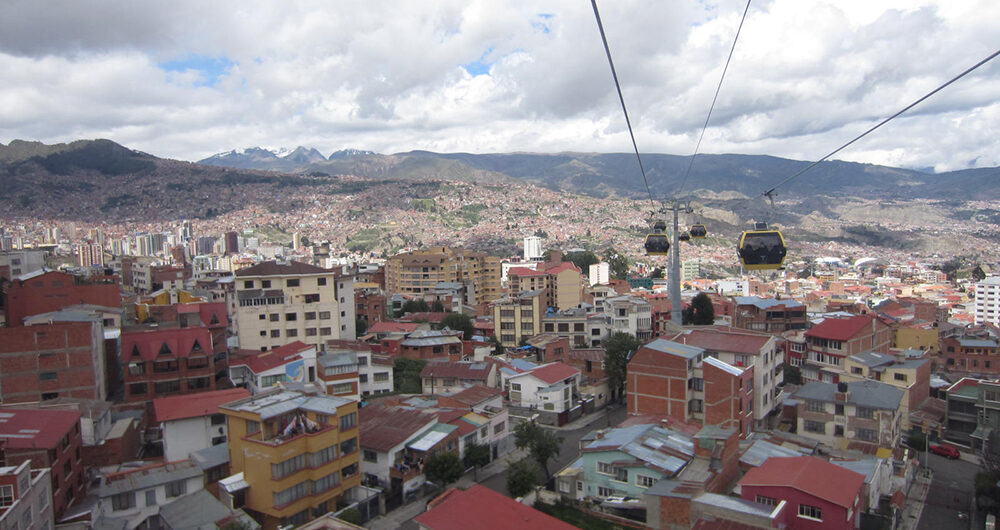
{"type": "Point", "coordinates": [658, 242]}
{"type": "Point", "coordinates": [698, 231]}
{"type": "Point", "coordinates": [762, 248]}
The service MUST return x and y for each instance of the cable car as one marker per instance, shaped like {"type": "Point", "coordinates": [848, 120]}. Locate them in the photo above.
{"type": "Point", "coordinates": [762, 248]}
{"type": "Point", "coordinates": [658, 243]}
{"type": "Point", "coordinates": [683, 236]}
{"type": "Point", "coordinates": [698, 231]}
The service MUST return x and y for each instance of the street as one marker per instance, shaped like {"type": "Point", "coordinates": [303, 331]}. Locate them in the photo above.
{"type": "Point", "coordinates": [950, 494]}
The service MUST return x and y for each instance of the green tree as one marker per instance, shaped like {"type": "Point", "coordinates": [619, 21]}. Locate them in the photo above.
{"type": "Point", "coordinates": [406, 375]}
{"type": "Point", "coordinates": [793, 375]}
{"type": "Point", "coordinates": [458, 322]}
{"type": "Point", "coordinates": [437, 307]}
{"type": "Point", "coordinates": [700, 312]}
{"type": "Point", "coordinates": [616, 351]}
{"type": "Point", "coordinates": [618, 264]}
{"type": "Point", "coordinates": [444, 467]}
{"type": "Point", "coordinates": [543, 444]}
{"type": "Point", "coordinates": [360, 326]}
{"type": "Point", "coordinates": [657, 273]}
{"type": "Point", "coordinates": [476, 456]}
{"type": "Point", "coordinates": [522, 476]}
{"type": "Point", "coordinates": [583, 259]}
{"type": "Point", "coordinates": [415, 306]}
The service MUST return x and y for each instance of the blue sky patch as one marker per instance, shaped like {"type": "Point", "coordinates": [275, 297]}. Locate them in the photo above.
{"type": "Point", "coordinates": [210, 68]}
{"type": "Point", "coordinates": [543, 22]}
{"type": "Point", "coordinates": [480, 66]}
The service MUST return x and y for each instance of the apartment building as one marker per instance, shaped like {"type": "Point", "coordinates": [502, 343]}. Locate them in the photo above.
{"type": "Point", "coordinates": [518, 317]}
{"type": "Point", "coordinates": [164, 359]}
{"type": "Point", "coordinates": [193, 422]}
{"type": "Point", "coordinates": [974, 350]}
{"type": "Point", "coordinates": [563, 282]}
{"type": "Point", "coordinates": [850, 415]}
{"type": "Point", "coordinates": [50, 440]}
{"type": "Point", "coordinates": [48, 361]}
{"type": "Point", "coordinates": [27, 498]}
{"type": "Point", "coordinates": [767, 314]}
{"type": "Point", "coordinates": [45, 291]}
{"type": "Point", "coordinates": [911, 376]}
{"type": "Point", "coordinates": [297, 453]}
{"type": "Point", "coordinates": [744, 350]}
{"type": "Point", "coordinates": [422, 270]}
{"type": "Point", "coordinates": [256, 371]}
{"type": "Point", "coordinates": [630, 314]}
{"type": "Point", "coordinates": [281, 302]}
{"type": "Point", "coordinates": [832, 340]}
{"type": "Point", "coordinates": [584, 329]}
{"type": "Point", "coordinates": [553, 389]}
{"type": "Point", "coordinates": [986, 308]}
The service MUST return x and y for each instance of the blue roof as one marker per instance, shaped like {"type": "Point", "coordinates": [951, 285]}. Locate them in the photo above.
{"type": "Point", "coordinates": [675, 348]}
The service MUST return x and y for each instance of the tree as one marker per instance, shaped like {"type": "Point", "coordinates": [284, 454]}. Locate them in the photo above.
{"type": "Point", "coordinates": [406, 375]}
{"type": "Point", "coordinates": [543, 444]}
{"type": "Point", "coordinates": [792, 374]}
{"type": "Point", "coordinates": [360, 326]}
{"type": "Point", "coordinates": [522, 476]}
{"type": "Point", "coordinates": [476, 456]}
{"type": "Point", "coordinates": [618, 264]}
{"type": "Point", "coordinates": [437, 307]}
{"type": "Point", "coordinates": [700, 312]}
{"type": "Point", "coordinates": [415, 306]}
{"type": "Point", "coordinates": [458, 322]}
{"type": "Point", "coordinates": [616, 351]}
{"type": "Point", "coordinates": [583, 260]}
{"type": "Point", "coordinates": [657, 273]}
{"type": "Point", "coordinates": [443, 468]}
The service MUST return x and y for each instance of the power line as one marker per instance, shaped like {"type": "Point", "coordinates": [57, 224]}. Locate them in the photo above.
{"type": "Point", "coordinates": [621, 98]}
{"type": "Point", "coordinates": [769, 193]}
{"type": "Point", "coordinates": [716, 97]}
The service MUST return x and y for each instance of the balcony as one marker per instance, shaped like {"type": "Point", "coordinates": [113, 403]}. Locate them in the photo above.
{"type": "Point", "coordinates": [297, 434]}
{"type": "Point", "coordinates": [404, 472]}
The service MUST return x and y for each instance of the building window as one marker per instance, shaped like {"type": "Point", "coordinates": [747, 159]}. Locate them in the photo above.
{"type": "Point", "coordinates": [604, 492]}
{"type": "Point", "coordinates": [815, 406]}
{"type": "Point", "coordinates": [349, 421]}
{"type": "Point", "coordinates": [253, 427]}
{"type": "Point", "coordinates": [248, 284]}
{"type": "Point", "coordinates": [309, 315]}
{"type": "Point", "coordinates": [137, 389]}
{"type": "Point", "coordinates": [815, 426]}
{"type": "Point", "coordinates": [868, 435]}
{"type": "Point", "coordinates": [644, 481]}
{"type": "Point", "coordinates": [767, 501]}
{"type": "Point", "coordinates": [310, 332]}
{"type": "Point", "coordinates": [864, 412]}
{"type": "Point", "coordinates": [292, 282]}
{"type": "Point", "coordinates": [123, 501]}
{"type": "Point", "coordinates": [811, 512]}
{"type": "Point", "coordinates": [218, 419]}
{"type": "Point", "coordinates": [342, 388]}
{"type": "Point", "coordinates": [6, 496]}
{"type": "Point", "coordinates": [899, 377]}
{"type": "Point", "coordinates": [369, 456]}
{"type": "Point", "coordinates": [47, 376]}
{"type": "Point", "coordinates": [151, 497]}
{"type": "Point", "coordinates": [287, 467]}
{"type": "Point", "coordinates": [291, 333]}
{"type": "Point", "coordinates": [291, 317]}
{"type": "Point", "coordinates": [856, 370]}
{"type": "Point", "coordinates": [324, 331]}
{"type": "Point", "coordinates": [348, 446]}
{"type": "Point", "coordinates": [176, 488]}
{"type": "Point", "coordinates": [167, 387]}
{"type": "Point", "coordinates": [324, 315]}
{"type": "Point", "coordinates": [382, 377]}
{"type": "Point", "coordinates": [605, 468]}
{"type": "Point", "coordinates": [275, 333]}
{"type": "Point", "coordinates": [274, 317]}
{"type": "Point", "coordinates": [265, 284]}
{"type": "Point", "coordinates": [321, 281]}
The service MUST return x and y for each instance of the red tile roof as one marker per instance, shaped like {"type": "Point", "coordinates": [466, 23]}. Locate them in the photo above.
{"type": "Point", "coordinates": [724, 341]}
{"type": "Point", "coordinates": [393, 327]}
{"type": "Point", "coordinates": [553, 372]}
{"type": "Point", "coordinates": [263, 361]}
{"type": "Point", "coordinates": [556, 269]}
{"type": "Point", "coordinates": [840, 328]}
{"type": "Point", "coordinates": [273, 268]}
{"type": "Point", "coordinates": [179, 341]}
{"type": "Point", "coordinates": [35, 429]}
{"type": "Point", "coordinates": [721, 524]}
{"type": "Point", "coordinates": [458, 370]}
{"type": "Point", "coordinates": [838, 485]}
{"type": "Point", "coordinates": [195, 405]}
{"type": "Point", "coordinates": [484, 509]}
{"type": "Point", "coordinates": [383, 428]}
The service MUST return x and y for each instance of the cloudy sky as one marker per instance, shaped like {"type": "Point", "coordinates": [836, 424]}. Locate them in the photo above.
{"type": "Point", "coordinates": [188, 78]}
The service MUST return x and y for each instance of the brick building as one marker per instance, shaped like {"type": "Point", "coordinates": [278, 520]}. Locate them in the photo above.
{"type": "Point", "coordinates": [46, 291]}
{"type": "Point", "coordinates": [421, 270]}
{"type": "Point", "coordinates": [47, 361]}
{"type": "Point", "coordinates": [767, 314]}
{"type": "Point", "coordinates": [50, 439]}
{"type": "Point", "coordinates": [26, 495]}
{"type": "Point", "coordinates": [163, 360]}
{"type": "Point", "coordinates": [729, 392]}
{"type": "Point", "coordinates": [833, 339]}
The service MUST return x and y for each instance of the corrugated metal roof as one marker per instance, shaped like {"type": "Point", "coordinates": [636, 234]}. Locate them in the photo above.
{"type": "Point", "coordinates": [675, 348]}
{"type": "Point", "coordinates": [147, 477]}
{"type": "Point", "coordinates": [760, 450]}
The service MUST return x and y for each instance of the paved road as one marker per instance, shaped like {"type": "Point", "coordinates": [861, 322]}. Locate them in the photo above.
{"type": "Point", "coordinates": [951, 492]}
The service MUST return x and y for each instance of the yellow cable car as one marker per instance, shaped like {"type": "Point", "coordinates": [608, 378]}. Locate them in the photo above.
{"type": "Point", "coordinates": [658, 242]}
{"type": "Point", "coordinates": [762, 248]}
{"type": "Point", "coordinates": [698, 231]}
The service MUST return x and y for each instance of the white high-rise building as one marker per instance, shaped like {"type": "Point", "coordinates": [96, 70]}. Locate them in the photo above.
{"type": "Point", "coordinates": [599, 273]}
{"type": "Point", "coordinates": [987, 306]}
{"type": "Point", "coordinates": [532, 247]}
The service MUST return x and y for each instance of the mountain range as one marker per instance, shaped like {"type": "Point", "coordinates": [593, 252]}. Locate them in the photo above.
{"type": "Point", "coordinates": [618, 173]}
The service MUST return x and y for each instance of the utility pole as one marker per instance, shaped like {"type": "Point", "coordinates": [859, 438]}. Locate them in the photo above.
{"type": "Point", "coordinates": [675, 273]}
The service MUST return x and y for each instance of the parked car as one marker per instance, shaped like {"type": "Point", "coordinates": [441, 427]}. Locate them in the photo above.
{"type": "Point", "coordinates": [945, 450]}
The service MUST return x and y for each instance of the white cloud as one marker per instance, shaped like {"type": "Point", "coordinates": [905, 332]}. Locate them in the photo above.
{"type": "Point", "coordinates": [388, 76]}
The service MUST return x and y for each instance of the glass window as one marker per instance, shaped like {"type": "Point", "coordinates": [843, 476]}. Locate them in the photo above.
{"type": "Point", "coordinates": [151, 497]}
{"type": "Point", "coordinates": [176, 488]}
{"type": "Point", "coordinates": [123, 501]}
{"type": "Point", "coordinates": [292, 282]}
{"type": "Point", "coordinates": [6, 496]}
{"type": "Point", "coordinates": [811, 512]}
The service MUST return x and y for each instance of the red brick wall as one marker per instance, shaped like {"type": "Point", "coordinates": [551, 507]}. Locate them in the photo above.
{"type": "Point", "coordinates": [657, 384]}
{"type": "Point", "coordinates": [66, 487]}
{"type": "Point", "coordinates": [114, 450]}
{"type": "Point", "coordinates": [63, 348]}
{"type": "Point", "coordinates": [727, 397]}
{"type": "Point", "coordinates": [53, 291]}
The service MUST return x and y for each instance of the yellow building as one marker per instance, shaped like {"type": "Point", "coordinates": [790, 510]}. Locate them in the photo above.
{"type": "Point", "coordinates": [911, 376]}
{"type": "Point", "coordinates": [419, 271]}
{"type": "Point", "coordinates": [518, 317]}
{"type": "Point", "coordinates": [278, 303]}
{"type": "Point", "coordinates": [920, 337]}
{"type": "Point", "coordinates": [293, 454]}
